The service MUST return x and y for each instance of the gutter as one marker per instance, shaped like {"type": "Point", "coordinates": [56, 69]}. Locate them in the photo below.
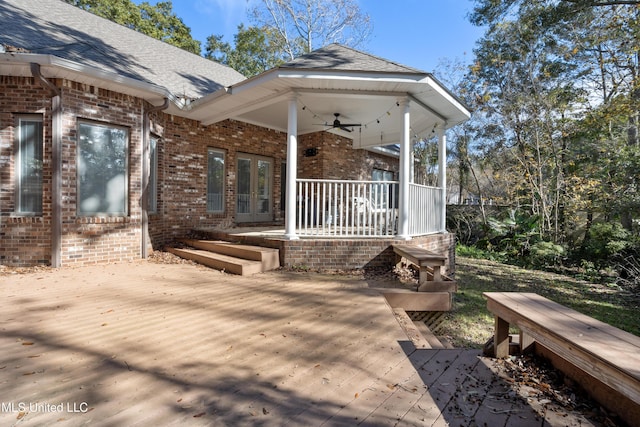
{"type": "Point", "coordinates": [56, 163]}
{"type": "Point", "coordinates": [146, 141]}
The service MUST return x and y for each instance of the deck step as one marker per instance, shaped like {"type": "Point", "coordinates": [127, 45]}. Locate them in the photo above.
{"type": "Point", "coordinates": [227, 263]}
{"type": "Point", "coordinates": [418, 301]}
{"type": "Point", "coordinates": [269, 257]}
{"type": "Point", "coordinates": [418, 332]}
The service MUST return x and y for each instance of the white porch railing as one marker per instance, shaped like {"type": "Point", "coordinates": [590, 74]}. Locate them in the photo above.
{"type": "Point", "coordinates": [362, 208]}
{"type": "Point", "coordinates": [424, 210]}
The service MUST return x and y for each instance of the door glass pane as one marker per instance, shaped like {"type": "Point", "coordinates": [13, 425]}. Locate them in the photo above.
{"type": "Point", "coordinates": [264, 186]}
{"type": "Point", "coordinates": [244, 186]}
{"type": "Point", "coordinates": [215, 182]}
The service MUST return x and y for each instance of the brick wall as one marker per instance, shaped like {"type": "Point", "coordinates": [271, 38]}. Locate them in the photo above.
{"type": "Point", "coordinates": [182, 176]}
{"type": "Point", "coordinates": [182, 170]}
{"type": "Point", "coordinates": [360, 253]}
{"type": "Point", "coordinates": [336, 159]}
{"type": "Point", "coordinates": [24, 240]}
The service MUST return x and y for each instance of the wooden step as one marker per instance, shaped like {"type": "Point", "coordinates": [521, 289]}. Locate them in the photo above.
{"type": "Point", "coordinates": [269, 257]}
{"type": "Point", "coordinates": [418, 301]}
{"type": "Point", "coordinates": [226, 263]}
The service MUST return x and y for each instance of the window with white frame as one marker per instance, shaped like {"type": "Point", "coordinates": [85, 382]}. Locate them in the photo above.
{"type": "Point", "coordinates": [152, 190]}
{"type": "Point", "coordinates": [385, 195]}
{"type": "Point", "coordinates": [215, 181]}
{"type": "Point", "coordinates": [103, 151]}
{"type": "Point", "coordinates": [29, 178]}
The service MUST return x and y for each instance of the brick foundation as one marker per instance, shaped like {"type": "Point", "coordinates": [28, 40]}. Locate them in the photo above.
{"type": "Point", "coordinates": [340, 254]}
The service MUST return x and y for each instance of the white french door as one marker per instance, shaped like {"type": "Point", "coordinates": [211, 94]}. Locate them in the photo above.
{"type": "Point", "coordinates": [254, 192]}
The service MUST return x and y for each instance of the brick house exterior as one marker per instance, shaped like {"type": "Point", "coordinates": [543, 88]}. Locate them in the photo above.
{"type": "Point", "coordinates": [114, 96]}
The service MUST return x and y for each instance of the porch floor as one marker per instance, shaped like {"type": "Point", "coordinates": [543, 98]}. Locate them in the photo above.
{"type": "Point", "coordinates": [177, 344]}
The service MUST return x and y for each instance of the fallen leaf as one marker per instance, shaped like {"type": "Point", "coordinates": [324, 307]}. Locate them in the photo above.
{"type": "Point", "coordinates": [27, 343]}
{"type": "Point", "coordinates": [104, 324]}
{"type": "Point", "coordinates": [264, 411]}
{"type": "Point", "coordinates": [21, 415]}
{"type": "Point", "coordinates": [199, 415]}
{"type": "Point", "coordinates": [356, 396]}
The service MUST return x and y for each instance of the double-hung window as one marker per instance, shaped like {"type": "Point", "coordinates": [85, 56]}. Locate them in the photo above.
{"type": "Point", "coordinates": [215, 181]}
{"type": "Point", "coordinates": [29, 178]}
{"type": "Point", "coordinates": [103, 151]}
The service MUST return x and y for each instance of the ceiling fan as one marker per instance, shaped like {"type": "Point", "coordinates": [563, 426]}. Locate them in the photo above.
{"type": "Point", "coordinates": [344, 126]}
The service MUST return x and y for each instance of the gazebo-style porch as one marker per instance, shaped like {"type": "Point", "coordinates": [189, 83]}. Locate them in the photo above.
{"type": "Point", "coordinates": [373, 102]}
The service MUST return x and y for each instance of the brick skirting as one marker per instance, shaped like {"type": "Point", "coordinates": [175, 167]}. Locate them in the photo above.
{"type": "Point", "coordinates": [347, 254]}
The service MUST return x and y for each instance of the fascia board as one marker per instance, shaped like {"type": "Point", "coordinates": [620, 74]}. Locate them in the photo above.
{"type": "Point", "coordinates": [53, 65]}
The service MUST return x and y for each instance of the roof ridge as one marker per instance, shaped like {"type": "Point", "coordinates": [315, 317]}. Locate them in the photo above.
{"type": "Point", "coordinates": [338, 56]}
{"type": "Point", "coordinates": [379, 58]}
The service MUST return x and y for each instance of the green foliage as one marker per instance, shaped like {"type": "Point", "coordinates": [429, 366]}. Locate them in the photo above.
{"type": "Point", "coordinates": [543, 254]}
{"type": "Point", "coordinates": [516, 239]}
{"type": "Point", "coordinates": [477, 253]}
{"type": "Point", "coordinates": [607, 240]}
{"type": "Point", "coordinates": [255, 50]}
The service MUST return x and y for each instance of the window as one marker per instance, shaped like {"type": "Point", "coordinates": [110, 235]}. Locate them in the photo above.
{"type": "Point", "coordinates": [381, 175]}
{"type": "Point", "coordinates": [29, 165]}
{"type": "Point", "coordinates": [102, 169]}
{"type": "Point", "coordinates": [385, 195]}
{"type": "Point", "coordinates": [215, 181]}
{"type": "Point", "coordinates": [152, 190]}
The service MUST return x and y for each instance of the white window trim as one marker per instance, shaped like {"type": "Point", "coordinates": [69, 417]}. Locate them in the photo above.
{"type": "Point", "coordinates": [153, 171]}
{"type": "Point", "coordinates": [18, 164]}
{"type": "Point", "coordinates": [224, 174]}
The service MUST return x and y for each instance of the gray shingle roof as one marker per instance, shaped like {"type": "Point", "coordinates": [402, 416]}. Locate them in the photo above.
{"type": "Point", "coordinates": [57, 28]}
{"type": "Point", "coordinates": [338, 57]}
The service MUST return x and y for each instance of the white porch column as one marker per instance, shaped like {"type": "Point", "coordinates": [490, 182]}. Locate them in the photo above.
{"type": "Point", "coordinates": [442, 176]}
{"type": "Point", "coordinates": [292, 167]}
{"type": "Point", "coordinates": [405, 170]}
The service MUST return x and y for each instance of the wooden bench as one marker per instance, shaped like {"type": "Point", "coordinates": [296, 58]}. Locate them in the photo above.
{"type": "Point", "coordinates": [605, 353]}
{"type": "Point", "coordinates": [429, 264]}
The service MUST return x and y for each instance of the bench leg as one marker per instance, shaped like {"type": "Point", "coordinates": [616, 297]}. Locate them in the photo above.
{"type": "Point", "coordinates": [437, 273]}
{"type": "Point", "coordinates": [501, 339]}
{"type": "Point", "coordinates": [398, 261]}
{"type": "Point", "coordinates": [526, 342]}
{"type": "Point", "coordinates": [423, 276]}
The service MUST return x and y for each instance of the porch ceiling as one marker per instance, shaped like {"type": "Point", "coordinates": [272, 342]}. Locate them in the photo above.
{"type": "Point", "coordinates": [370, 99]}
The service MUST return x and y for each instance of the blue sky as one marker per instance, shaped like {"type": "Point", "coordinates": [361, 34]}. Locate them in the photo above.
{"type": "Point", "coordinates": [417, 33]}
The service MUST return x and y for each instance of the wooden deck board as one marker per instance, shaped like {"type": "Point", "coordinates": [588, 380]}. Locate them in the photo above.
{"type": "Point", "coordinates": [159, 344]}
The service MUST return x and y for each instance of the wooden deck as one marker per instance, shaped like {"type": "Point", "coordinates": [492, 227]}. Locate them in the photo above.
{"type": "Point", "coordinates": [161, 344]}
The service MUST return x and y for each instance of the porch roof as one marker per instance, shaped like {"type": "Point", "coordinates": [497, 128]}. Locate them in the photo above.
{"type": "Point", "coordinates": [362, 88]}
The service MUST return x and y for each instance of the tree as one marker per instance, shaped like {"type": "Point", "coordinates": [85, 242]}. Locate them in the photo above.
{"type": "Point", "coordinates": [157, 21]}
{"type": "Point", "coordinates": [559, 80]}
{"type": "Point", "coordinates": [302, 25]}
{"type": "Point", "coordinates": [255, 51]}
